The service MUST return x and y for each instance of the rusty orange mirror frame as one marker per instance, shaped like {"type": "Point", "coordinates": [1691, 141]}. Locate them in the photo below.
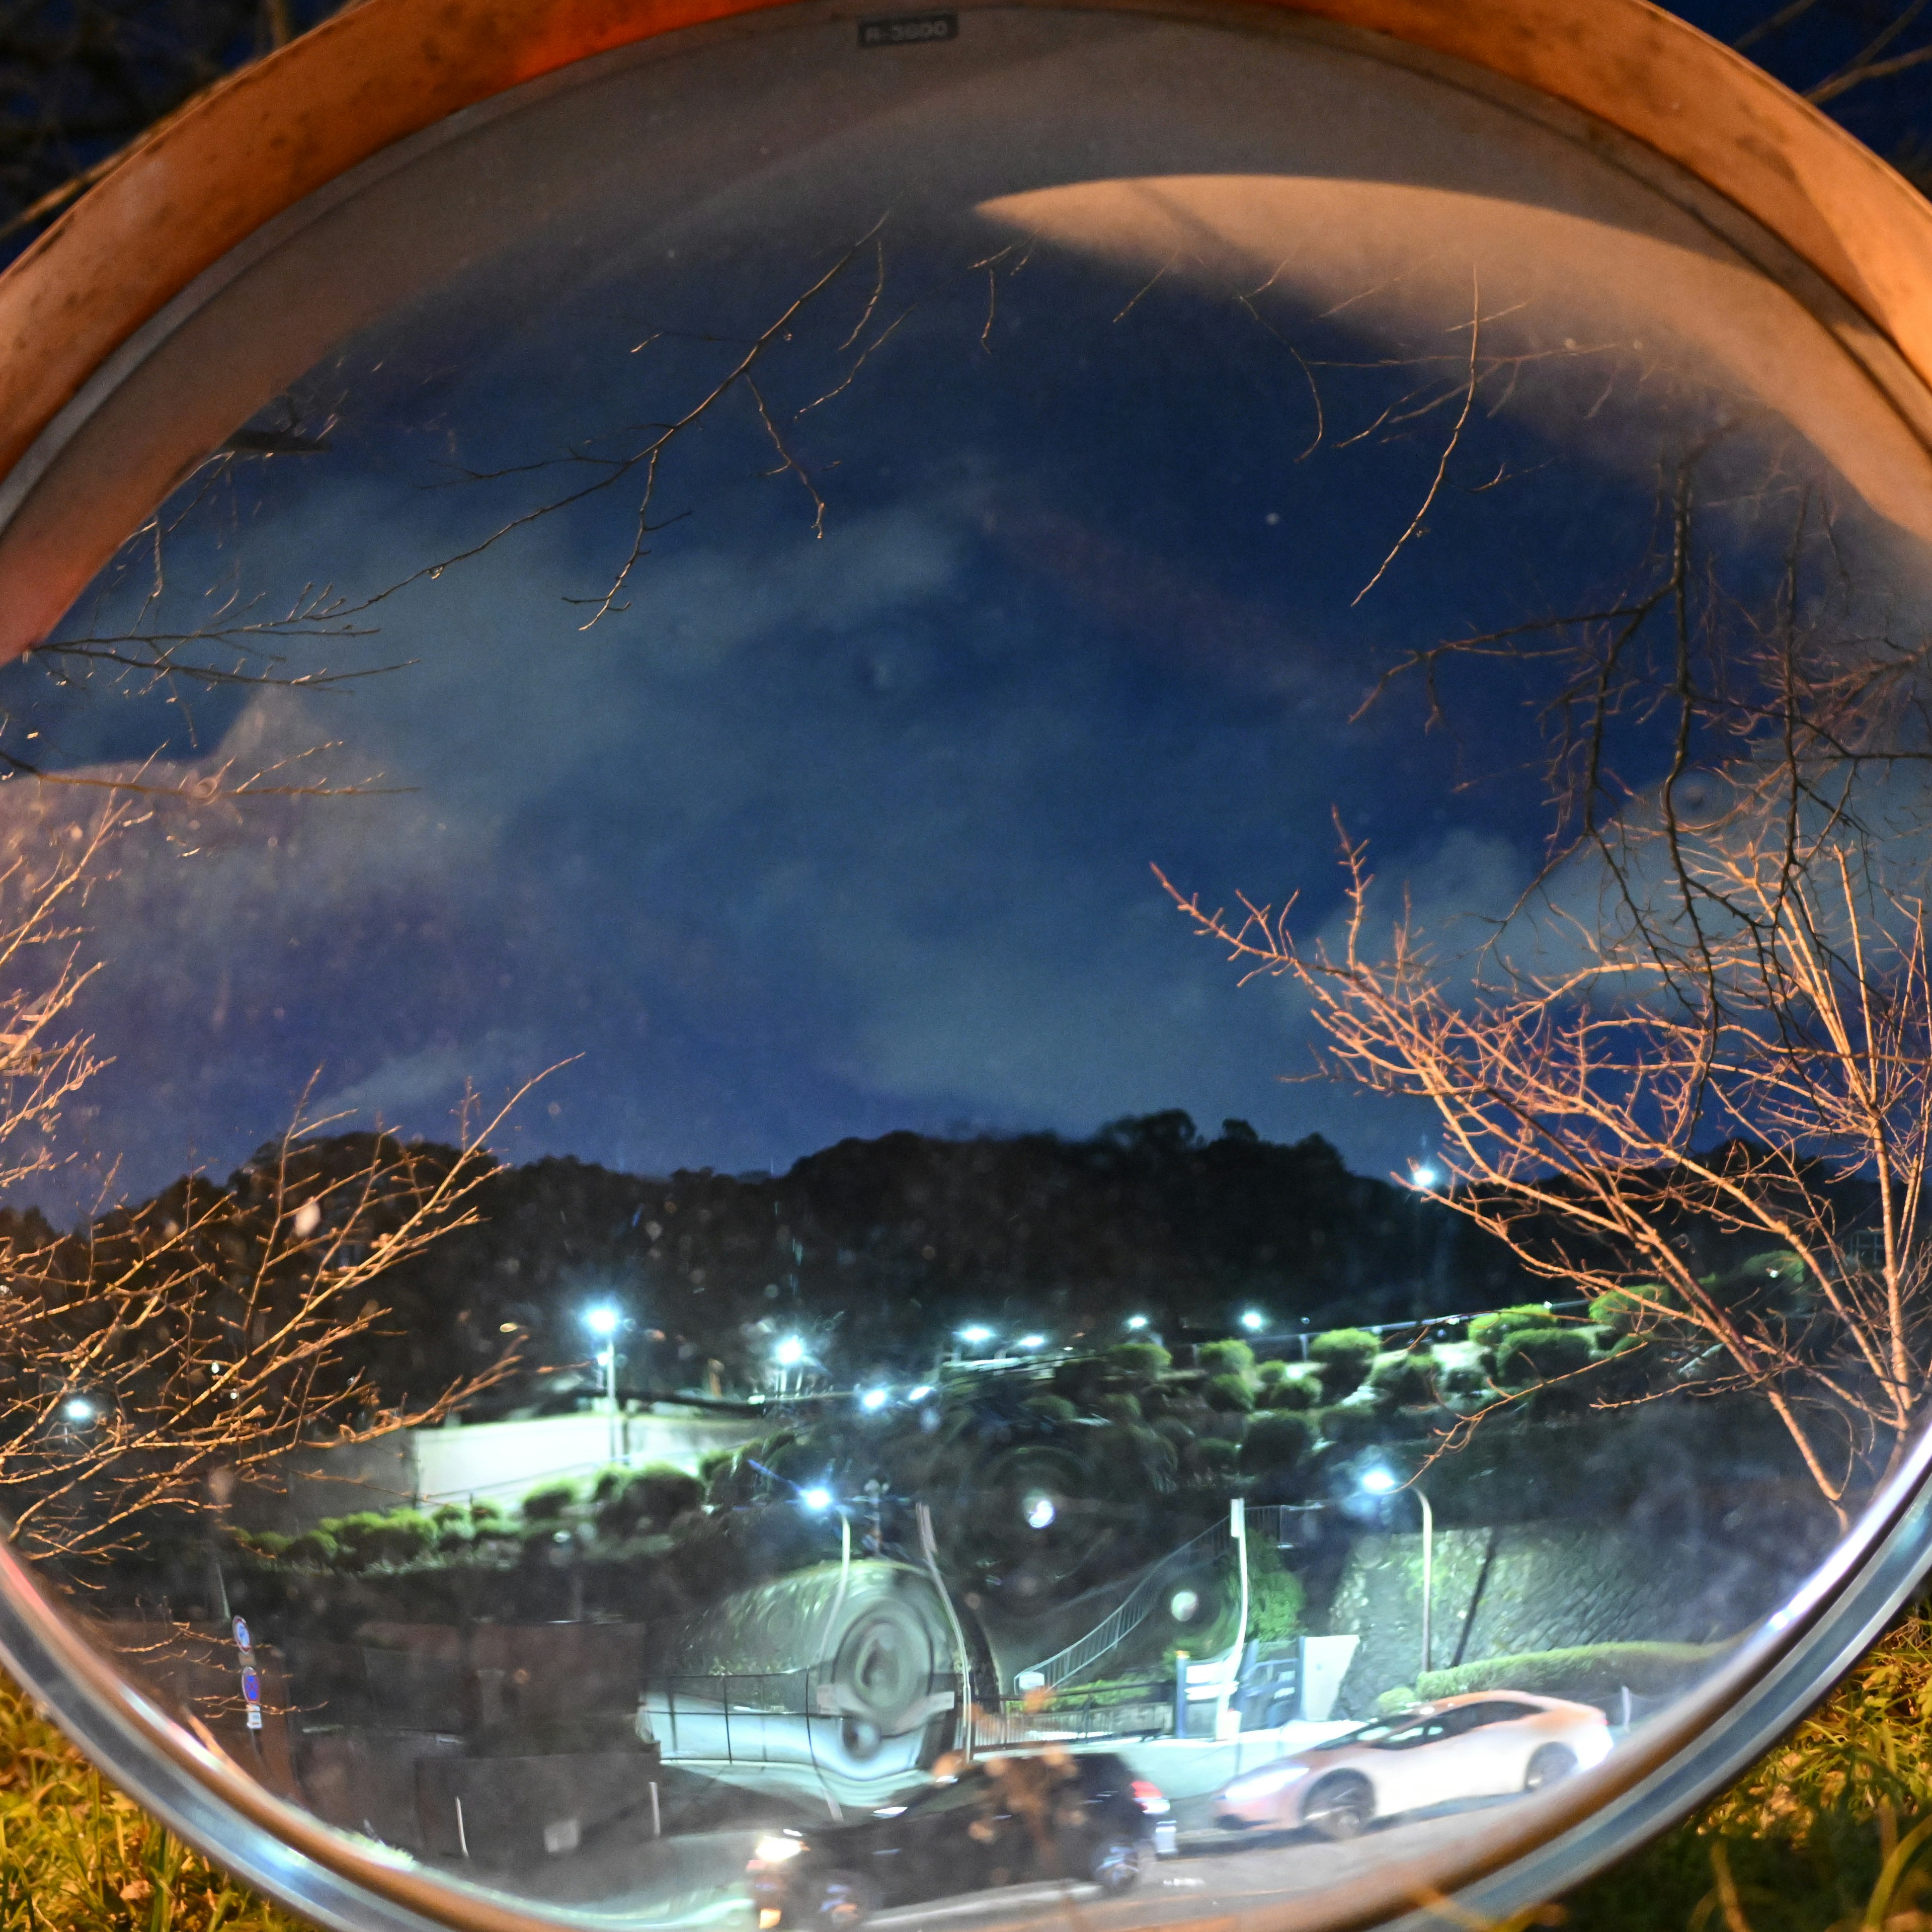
{"type": "Point", "coordinates": [1853, 239]}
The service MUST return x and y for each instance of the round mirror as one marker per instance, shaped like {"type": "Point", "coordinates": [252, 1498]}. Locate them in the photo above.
{"type": "Point", "coordinates": [973, 957]}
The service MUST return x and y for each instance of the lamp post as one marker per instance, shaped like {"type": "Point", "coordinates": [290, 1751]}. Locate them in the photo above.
{"type": "Point", "coordinates": [604, 1321]}
{"type": "Point", "coordinates": [1380, 1482]}
{"type": "Point", "coordinates": [788, 1354]}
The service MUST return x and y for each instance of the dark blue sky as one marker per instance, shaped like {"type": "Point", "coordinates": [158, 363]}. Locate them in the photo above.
{"type": "Point", "coordinates": [820, 834]}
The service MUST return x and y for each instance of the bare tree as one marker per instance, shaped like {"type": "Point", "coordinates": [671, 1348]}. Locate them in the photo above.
{"type": "Point", "coordinates": [1711, 1015]}
{"type": "Point", "coordinates": [201, 1335]}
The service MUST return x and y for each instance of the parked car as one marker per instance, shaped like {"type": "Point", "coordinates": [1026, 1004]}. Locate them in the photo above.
{"type": "Point", "coordinates": [1480, 1745]}
{"type": "Point", "coordinates": [1081, 1815]}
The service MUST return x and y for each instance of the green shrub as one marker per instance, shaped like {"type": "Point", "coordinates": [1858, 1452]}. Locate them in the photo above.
{"type": "Point", "coordinates": [1277, 1598]}
{"type": "Point", "coordinates": [1538, 1355]}
{"type": "Point", "coordinates": [1122, 1409]}
{"type": "Point", "coordinates": [1270, 1374]}
{"type": "Point", "coordinates": [1354, 1423]}
{"type": "Point", "coordinates": [645, 1499]}
{"type": "Point", "coordinates": [1408, 1379]}
{"type": "Point", "coordinates": [1593, 1673]}
{"type": "Point", "coordinates": [373, 1536]}
{"type": "Point", "coordinates": [1140, 1358]}
{"type": "Point", "coordinates": [1230, 1394]}
{"type": "Point", "coordinates": [1624, 1308]}
{"type": "Point", "coordinates": [1345, 1356]}
{"type": "Point", "coordinates": [1051, 1407]}
{"type": "Point", "coordinates": [549, 1503]}
{"type": "Point", "coordinates": [1301, 1389]}
{"type": "Point", "coordinates": [1226, 1358]}
{"type": "Point", "coordinates": [1211, 1456]}
{"type": "Point", "coordinates": [1492, 1327]}
{"type": "Point", "coordinates": [1276, 1440]}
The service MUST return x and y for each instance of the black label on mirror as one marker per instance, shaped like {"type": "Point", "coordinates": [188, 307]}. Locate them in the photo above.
{"type": "Point", "coordinates": [906, 30]}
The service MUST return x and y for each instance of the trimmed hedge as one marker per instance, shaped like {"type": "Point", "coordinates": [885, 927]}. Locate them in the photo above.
{"type": "Point", "coordinates": [1592, 1673]}
{"type": "Point", "coordinates": [1299, 1392]}
{"type": "Point", "coordinates": [1140, 1358]}
{"type": "Point", "coordinates": [1539, 1355]}
{"type": "Point", "coordinates": [1345, 1356]}
{"type": "Point", "coordinates": [1276, 1440]}
{"type": "Point", "coordinates": [1408, 1379]}
{"type": "Point", "coordinates": [1621, 1307]}
{"type": "Point", "coordinates": [1230, 1394]}
{"type": "Point", "coordinates": [1493, 1327]}
{"type": "Point", "coordinates": [1226, 1358]}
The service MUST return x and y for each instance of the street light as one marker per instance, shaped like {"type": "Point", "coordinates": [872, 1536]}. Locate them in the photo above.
{"type": "Point", "coordinates": [1254, 1321]}
{"type": "Point", "coordinates": [1425, 1177]}
{"type": "Point", "coordinates": [1137, 1322]}
{"type": "Point", "coordinates": [1378, 1481]}
{"type": "Point", "coordinates": [604, 1321]}
{"type": "Point", "coordinates": [788, 1354]}
{"type": "Point", "coordinates": [976, 1336]}
{"type": "Point", "coordinates": [817, 1500]}
{"type": "Point", "coordinates": [1031, 1341]}
{"type": "Point", "coordinates": [79, 1410]}
{"type": "Point", "coordinates": [873, 1399]}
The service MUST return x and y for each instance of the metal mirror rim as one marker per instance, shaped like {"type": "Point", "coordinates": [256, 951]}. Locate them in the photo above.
{"type": "Point", "coordinates": [334, 102]}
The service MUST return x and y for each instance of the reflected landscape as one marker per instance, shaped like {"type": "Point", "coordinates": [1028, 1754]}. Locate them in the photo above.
{"type": "Point", "coordinates": [648, 1261]}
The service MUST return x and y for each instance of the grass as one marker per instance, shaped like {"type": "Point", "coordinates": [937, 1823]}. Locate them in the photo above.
{"type": "Point", "coordinates": [1830, 1832]}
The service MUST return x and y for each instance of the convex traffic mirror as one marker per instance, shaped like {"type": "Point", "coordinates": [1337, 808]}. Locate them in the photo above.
{"type": "Point", "coordinates": [962, 960]}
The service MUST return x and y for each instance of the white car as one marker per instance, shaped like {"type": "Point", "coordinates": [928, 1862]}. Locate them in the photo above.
{"type": "Point", "coordinates": [1486, 1744]}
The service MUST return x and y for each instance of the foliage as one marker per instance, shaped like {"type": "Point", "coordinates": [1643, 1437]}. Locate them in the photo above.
{"type": "Point", "coordinates": [1408, 1379]}
{"type": "Point", "coordinates": [1488, 1330]}
{"type": "Point", "coordinates": [1276, 1596]}
{"type": "Point", "coordinates": [80, 1857]}
{"type": "Point", "coordinates": [1624, 1309]}
{"type": "Point", "coordinates": [1271, 1373]}
{"type": "Point", "coordinates": [1276, 1441]}
{"type": "Point", "coordinates": [1230, 1394]}
{"type": "Point", "coordinates": [1592, 1673]}
{"type": "Point", "coordinates": [550, 1504]}
{"type": "Point", "coordinates": [1140, 1358]}
{"type": "Point", "coordinates": [1345, 1356]}
{"type": "Point", "coordinates": [1863, 1747]}
{"type": "Point", "coordinates": [1540, 1354]}
{"type": "Point", "coordinates": [1226, 1358]}
{"type": "Point", "coordinates": [626, 1501]}
{"type": "Point", "coordinates": [1299, 1389]}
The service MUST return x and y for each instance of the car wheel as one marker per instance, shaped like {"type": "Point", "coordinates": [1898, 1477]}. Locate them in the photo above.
{"type": "Point", "coordinates": [1550, 1765]}
{"type": "Point", "coordinates": [1114, 1864]}
{"type": "Point", "coordinates": [1339, 1808]}
{"type": "Point", "coordinates": [835, 1901]}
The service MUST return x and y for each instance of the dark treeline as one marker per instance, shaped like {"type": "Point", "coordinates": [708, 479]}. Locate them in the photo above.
{"type": "Point", "coordinates": [874, 1252]}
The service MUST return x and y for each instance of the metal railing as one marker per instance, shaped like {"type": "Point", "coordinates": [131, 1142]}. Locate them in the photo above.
{"type": "Point", "coordinates": [1133, 1611]}
{"type": "Point", "coordinates": [1141, 1710]}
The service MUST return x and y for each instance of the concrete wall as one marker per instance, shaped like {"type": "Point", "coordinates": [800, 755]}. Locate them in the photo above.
{"type": "Point", "coordinates": [1544, 1586]}
{"type": "Point", "coordinates": [499, 1460]}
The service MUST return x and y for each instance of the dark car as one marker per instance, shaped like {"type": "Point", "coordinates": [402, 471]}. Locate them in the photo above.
{"type": "Point", "coordinates": [1082, 1816]}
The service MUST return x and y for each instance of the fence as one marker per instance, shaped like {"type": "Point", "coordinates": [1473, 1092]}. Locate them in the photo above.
{"type": "Point", "coordinates": [1135, 1710]}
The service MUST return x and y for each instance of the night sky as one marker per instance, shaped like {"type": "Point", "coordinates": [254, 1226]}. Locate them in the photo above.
{"type": "Point", "coordinates": [818, 834]}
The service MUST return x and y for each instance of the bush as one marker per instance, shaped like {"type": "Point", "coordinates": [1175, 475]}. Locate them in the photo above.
{"type": "Point", "coordinates": [1226, 1358]}
{"type": "Point", "coordinates": [1345, 1356]}
{"type": "Point", "coordinates": [1623, 1308]}
{"type": "Point", "coordinates": [371, 1537]}
{"type": "Point", "coordinates": [1354, 1423]}
{"type": "Point", "coordinates": [1408, 1379]}
{"type": "Point", "coordinates": [1301, 1389]}
{"type": "Point", "coordinates": [647, 1498]}
{"type": "Point", "coordinates": [1122, 1409]}
{"type": "Point", "coordinates": [1276, 1597]}
{"type": "Point", "coordinates": [1593, 1673]}
{"type": "Point", "coordinates": [1140, 1358]}
{"type": "Point", "coordinates": [1211, 1456]}
{"type": "Point", "coordinates": [1276, 1440]}
{"type": "Point", "coordinates": [1271, 1374]}
{"type": "Point", "coordinates": [1492, 1327]}
{"type": "Point", "coordinates": [1230, 1393]}
{"type": "Point", "coordinates": [1539, 1355]}
{"type": "Point", "coordinates": [1051, 1407]}
{"type": "Point", "coordinates": [549, 1503]}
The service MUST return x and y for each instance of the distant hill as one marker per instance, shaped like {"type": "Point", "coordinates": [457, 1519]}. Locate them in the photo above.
{"type": "Point", "coordinates": [877, 1251]}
